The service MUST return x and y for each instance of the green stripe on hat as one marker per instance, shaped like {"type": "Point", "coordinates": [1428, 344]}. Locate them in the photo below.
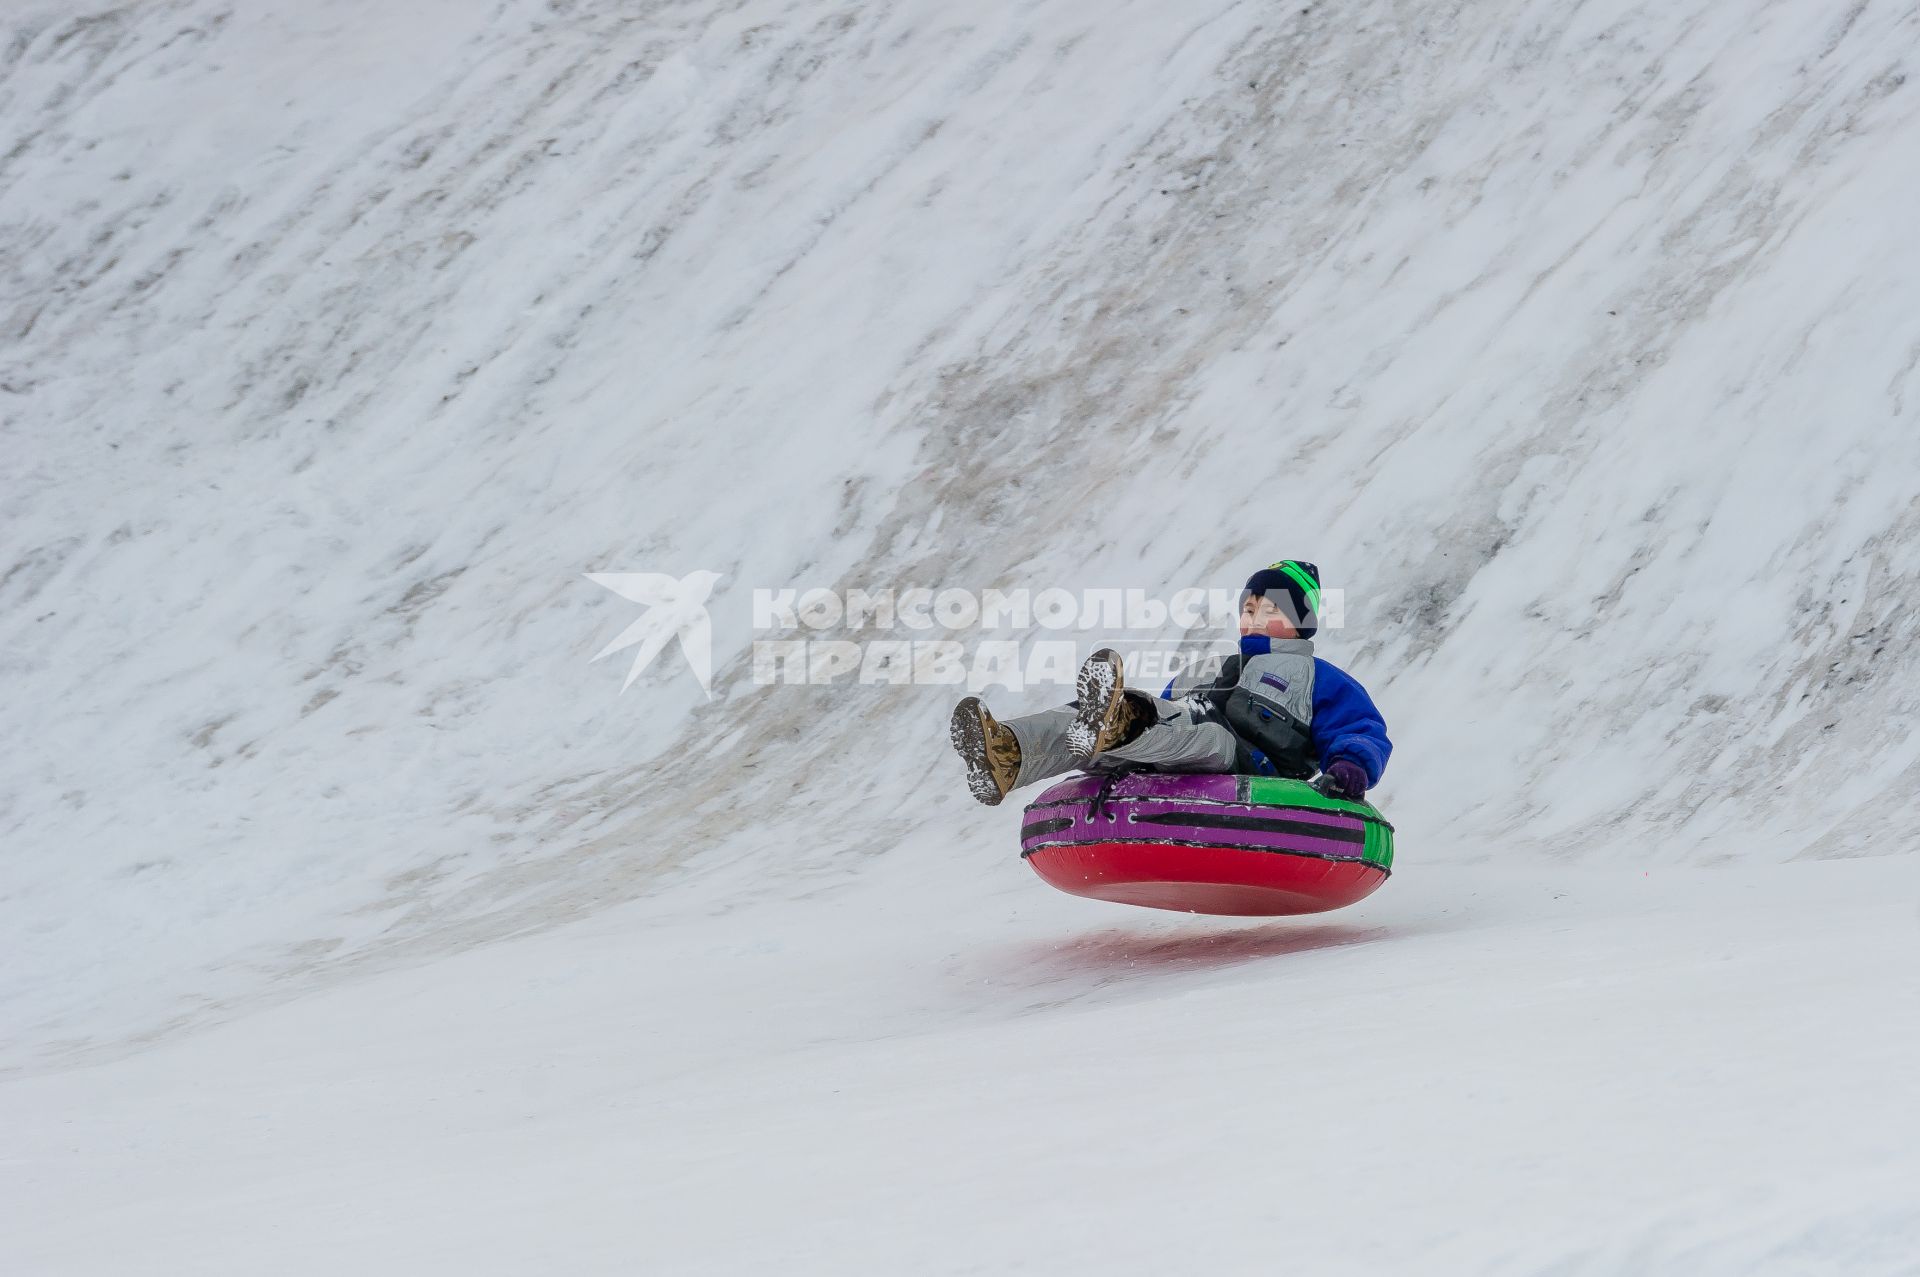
{"type": "Point", "coordinates": [1308, 586]}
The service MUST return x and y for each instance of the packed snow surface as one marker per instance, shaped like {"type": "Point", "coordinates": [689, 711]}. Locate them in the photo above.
{"type": "Point", "coordinates": [1599, 1070]}
{"type": "Point", "coordinates": [352, 918]}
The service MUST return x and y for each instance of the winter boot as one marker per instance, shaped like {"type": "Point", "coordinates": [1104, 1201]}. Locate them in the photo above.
{"type": "Point", "coordinates": [989, 749]}
{"type": "Point", "coordinates": [1108, 715]}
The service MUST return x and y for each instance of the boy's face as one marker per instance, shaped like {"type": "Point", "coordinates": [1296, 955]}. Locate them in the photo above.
{"type": "Point", "coordinates": [1261, 615]}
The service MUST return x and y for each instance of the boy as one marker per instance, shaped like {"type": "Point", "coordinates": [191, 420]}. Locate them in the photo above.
{"type": "Point", "coordinates": [1274, 710]}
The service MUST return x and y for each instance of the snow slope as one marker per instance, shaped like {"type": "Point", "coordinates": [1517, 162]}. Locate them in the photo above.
{"type": "Point", "coordinates": [1599, 1070]}
{"type": "Point", "coordinates": [338, 340]}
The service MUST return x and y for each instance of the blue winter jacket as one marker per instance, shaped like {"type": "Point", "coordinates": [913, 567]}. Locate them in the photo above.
{"type": "Point", "coordinates": [1345, 722]}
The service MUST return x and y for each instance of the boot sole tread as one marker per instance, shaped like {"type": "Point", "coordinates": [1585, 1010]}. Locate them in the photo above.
{"type": "Point", "coordinates": [970, 742]}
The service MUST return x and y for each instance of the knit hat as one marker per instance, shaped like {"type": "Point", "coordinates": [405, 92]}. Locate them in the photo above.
{"type": "Point", "coordinates": [1299, 581]}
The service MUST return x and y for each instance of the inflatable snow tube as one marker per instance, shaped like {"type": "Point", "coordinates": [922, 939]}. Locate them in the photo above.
{"type": "Point", "coordinates": [1237, 845]}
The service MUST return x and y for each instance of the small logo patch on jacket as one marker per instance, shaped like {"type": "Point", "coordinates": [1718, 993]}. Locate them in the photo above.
{"type": "Point", "coordinates": [1274, 680]}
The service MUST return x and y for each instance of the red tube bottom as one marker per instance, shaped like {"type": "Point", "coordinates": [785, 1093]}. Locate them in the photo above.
{"type": "Point", "coordinates": [1218, 880]}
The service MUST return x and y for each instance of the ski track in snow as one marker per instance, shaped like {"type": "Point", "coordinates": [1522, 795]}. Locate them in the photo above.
{"type": "Point", "coordinates": [338, 341]}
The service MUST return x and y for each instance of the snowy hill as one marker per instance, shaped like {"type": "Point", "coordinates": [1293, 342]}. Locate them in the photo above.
{"type": "Point", "coordinates": [339, 341]}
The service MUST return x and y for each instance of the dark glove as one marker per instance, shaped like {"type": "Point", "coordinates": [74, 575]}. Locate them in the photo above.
{"type": "Point", "coordinates": [1343, 778]}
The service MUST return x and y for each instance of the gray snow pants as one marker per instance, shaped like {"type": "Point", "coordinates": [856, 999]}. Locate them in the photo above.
{"type": "Point", "coordinates": [1185, 739]}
